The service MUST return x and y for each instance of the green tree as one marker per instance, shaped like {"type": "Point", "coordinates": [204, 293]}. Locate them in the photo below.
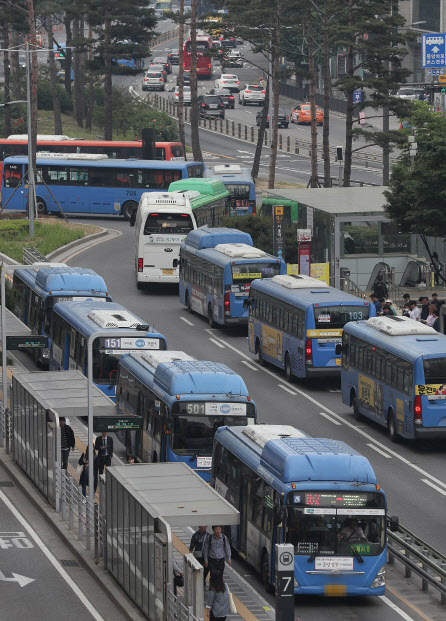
{"type": "Point", "coordinates": [416, 198]}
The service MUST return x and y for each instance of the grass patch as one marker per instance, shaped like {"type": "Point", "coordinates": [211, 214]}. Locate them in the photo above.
{"type": "Point", "coordinates": [262, 184]}
{"type": "Point", "coordinates": [45, 125]}
{"type": "Point", "coordinates": [49, 235]}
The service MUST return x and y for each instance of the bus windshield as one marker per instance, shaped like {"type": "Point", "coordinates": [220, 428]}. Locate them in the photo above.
{"type": "Point", "coordinates": [338, 529]}
{"type": "Point", "coordinates": [247, 272]}
{"type": "Point", "coordinates": [195, 434]}
{"type": "Point", "coordinates": [338, 316]}
{"type": "Point", "coordinates": [434, 370]}
{"type": "Point", "coordinates": [201, 46]}
{"type": "Point", "coordinates": [168, 223]}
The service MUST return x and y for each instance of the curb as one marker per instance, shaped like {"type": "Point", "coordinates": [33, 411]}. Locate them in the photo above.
{"type": "Point", "coordinates": [78, 242]}
{"type": "Point", "coordinates": [102, 577]}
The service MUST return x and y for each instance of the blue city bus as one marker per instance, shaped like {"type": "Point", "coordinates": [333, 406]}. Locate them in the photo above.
{"type": "Point", "coordinates": [394, 372]}
{"type": "Point", "coordinates": [240, 185]}
{"type": "Point", "coordinates": [182, 402]}
{"type": "Point", "coordinates": [88, 183]}
{"type": "Point", "coordinates": [295, 323]}
{"type": "Point", "coordinates": [290, 488]}
{"type": "Point", "coordinates": [217, 267]}
{"type": "Point", "coordinates": [37, 288]}
{"type": "Point", "coordinates": [74, 322]}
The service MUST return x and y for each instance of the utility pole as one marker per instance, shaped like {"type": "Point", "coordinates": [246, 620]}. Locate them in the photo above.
{"type": "Point", "coordinates": [31, 188]}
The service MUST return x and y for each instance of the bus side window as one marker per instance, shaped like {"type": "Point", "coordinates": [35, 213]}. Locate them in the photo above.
{"type": "Point", "coordinates": [13, 174]}
{"type": "Point", "coordinates": [257, 502]}
{"type": "Point", "coordinates": [268, 511]}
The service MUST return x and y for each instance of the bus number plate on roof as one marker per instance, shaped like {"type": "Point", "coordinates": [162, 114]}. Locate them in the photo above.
{"type": "Point", "coordinates": [227, 409]}
{"type": "Point", "coordinates": [134, 344]}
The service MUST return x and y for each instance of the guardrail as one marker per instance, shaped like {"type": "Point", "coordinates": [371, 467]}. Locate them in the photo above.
{"type": "Point", "coordinates": [419, 557]}
{"type": "Point", "coordinates": [248, 133]}
{"type": "Point", "coordinates": [32, 255]}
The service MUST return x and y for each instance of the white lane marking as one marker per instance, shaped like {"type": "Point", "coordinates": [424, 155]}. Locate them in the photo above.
{"type": "Point", "coordinates": [217, 343]}
{"type": "Point", "coordinates": [189, 323]}
{"type": "Point", "coordinates": [251, 366]}
{"type": "Point", "coordinates": [287, 389]}
{"type": "Point", "coordinates": [434, 486]}
{"type": "Point", "coordinates": [378, 450]}
{"type": "Point", "coordinates": [396, 608]}
{"type": "Point", "coordinates": [346, 422]}
{"type": "Point", "coordinates": [328, 417]}
{"type": "Point", "coordinates": [54, 562]}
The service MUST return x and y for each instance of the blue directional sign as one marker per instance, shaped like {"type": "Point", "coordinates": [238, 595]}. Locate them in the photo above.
{"type": "Point", "coordinates": [434, 50]}
{"type": "Point", "coordinates": [435, 72]}
{"type": "Point", "coordinates": [357, 96]}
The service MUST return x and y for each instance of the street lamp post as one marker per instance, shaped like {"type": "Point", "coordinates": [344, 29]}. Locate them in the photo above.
{"type": "Point", "coordinates": [31, 187]}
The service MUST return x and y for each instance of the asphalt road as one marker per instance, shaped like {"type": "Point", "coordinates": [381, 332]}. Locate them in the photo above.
{"type": "Point", "coordinates": [412, 475]}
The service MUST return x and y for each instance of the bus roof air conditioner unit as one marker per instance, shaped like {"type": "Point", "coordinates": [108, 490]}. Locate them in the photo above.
{"type": "Point", "coordinates": [261, 434]}
{"type": "Point", "coordinates": [299, 282]}
{"type": "Point", "coordinates": [240, 251]}
{"type": "Point", "coordinates": [113, 319]}
{"type": "Point", "coordinates": [157, 357]}
{"type": "Point", "coordinates": [400, 326]}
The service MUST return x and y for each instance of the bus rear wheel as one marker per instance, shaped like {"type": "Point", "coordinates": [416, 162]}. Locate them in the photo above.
{"type": "Point", "coordinates": [188, 306]}
{"type": "Point", "coordinates": [391, 427]}
{"type": "Point", "coordinates": [355, 407]}
{"type": "Point", "coordinates": [128, 209]}
{"type": "Point", "coordinates": [41, 207]}
{"type": "Point", "coordinates": [265, 573]}
{"type": "Point", "coordinates": [288, 373]}
{"type": "Point", "coordinates": [212, 323]}
{"type": "Point", "coordinates": [259, 352]}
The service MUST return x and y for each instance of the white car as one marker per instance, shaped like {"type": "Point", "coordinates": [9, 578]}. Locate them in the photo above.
{"type": "Point", "coordinates": [407, 93]}
{"type": "Point", "coordinates": [252, 93]}
{"type": "Point", "coordinates": [174, 95]}
{"type": "Point", "coordinates": [229, 82]}
{"type": "Point", "coordinates": [233, 59]}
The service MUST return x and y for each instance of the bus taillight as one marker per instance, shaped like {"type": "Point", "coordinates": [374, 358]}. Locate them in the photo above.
{"type": "Point", "coordinates": [254, 209]}
{"type": "Point", "coordinates": [309, 352]}
{"type": "Point", "coordinates": [140, 265]}
{"type": "Point", "coordinates": [417, 411]}
{"type": "Point", "coordinates": [227, 303]}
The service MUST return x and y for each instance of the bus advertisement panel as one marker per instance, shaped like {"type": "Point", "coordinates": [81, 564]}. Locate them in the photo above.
{"type": "Point", "coordinates": [317, 494]}
{"type": "Point", "coordinates": [182, 401]}
{"type": "Point", "coordinates": [90, 183]}
{"type": "Point", "coordinates": [394, 372]}
{"type": "Point", "coordinates": [295, 323]}
{"type": "Point", "coordinates": [217, 267]}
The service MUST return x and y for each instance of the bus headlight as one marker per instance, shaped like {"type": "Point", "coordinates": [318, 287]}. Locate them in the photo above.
{"type": "Point", "coordinates": [380, 579]}
{"type": "Point", "coordinates": [296, 584]}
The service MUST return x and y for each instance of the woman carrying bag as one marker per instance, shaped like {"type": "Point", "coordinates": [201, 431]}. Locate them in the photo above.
{"type": "Point", "coordinates": [219, 603]}
{"type": "Point", "coordinates": [82, 469]}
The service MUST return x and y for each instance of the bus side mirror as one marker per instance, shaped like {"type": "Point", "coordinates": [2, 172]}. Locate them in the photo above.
{"type": "Point", "coordinates": [246, 303]}
{"type": "Point", "coordinates": [338, 349]}
{"type": "Point", "coordinates": [394, 523]}
{"type": "Point", "coordinates": [133, 218]}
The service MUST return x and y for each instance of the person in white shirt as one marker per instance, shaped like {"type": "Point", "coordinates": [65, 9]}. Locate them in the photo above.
{"type": "Point", "coordinates": [431, 317]}
{"type": "Point", "coordinates": [414, 312]}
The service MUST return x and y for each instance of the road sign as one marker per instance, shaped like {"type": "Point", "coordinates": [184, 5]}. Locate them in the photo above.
{"type": "Point", "coordinates": [433, 50]}
{"type": "Point", "coordinates": [442, 79]}
{"type": "Point", "coordinates": [116, 423]}
{"type": "Point", "coordinates": [278, 232]}
{"type": "Point", "coordinates": [284, 566]}
{"type": "Point", "coordinates": [304, 235]}
{"type": "Point", "coordinates": [26, 342]}
{"type": "Point", "coordinates": [358, 96]}
{"type": "Point", "coordinates": [435, 72]}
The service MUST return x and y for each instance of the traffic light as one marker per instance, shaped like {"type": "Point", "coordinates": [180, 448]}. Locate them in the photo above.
{"type": "Point", "coordinates": [339, 154]}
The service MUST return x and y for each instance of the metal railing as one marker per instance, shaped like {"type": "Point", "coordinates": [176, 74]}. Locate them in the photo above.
{"type": "Point", "coordinates": [177, 610]}
{"type": "Point", "coordinates": [419, 557]}
{"type": "Point", "coordinates": [248, 133]}
{"type": "Point", "coordinates": [32, 255]}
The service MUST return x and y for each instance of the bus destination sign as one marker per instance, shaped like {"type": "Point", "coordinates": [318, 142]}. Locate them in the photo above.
{"type": "Point", "coordinates": [26, 342]}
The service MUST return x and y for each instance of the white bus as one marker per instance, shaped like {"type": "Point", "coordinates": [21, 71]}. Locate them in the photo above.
{"type": "Point", "coordinates": [162, 221]}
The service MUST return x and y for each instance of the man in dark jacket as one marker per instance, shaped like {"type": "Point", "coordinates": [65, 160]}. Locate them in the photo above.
{"type": "Point", "coordinates": [380, 288]}
{"type": "Point", "coordinates": [196, 547]}
{"type": "Point", "coordinates": [424, 301]}
{"type": "Point", "coordinates": [66, 441]}
{"type": "Point", "coordinates": [104, 446]}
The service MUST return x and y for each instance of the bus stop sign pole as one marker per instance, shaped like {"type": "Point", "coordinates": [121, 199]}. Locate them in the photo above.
{"type": "Point", "coordinates": [284, 581]}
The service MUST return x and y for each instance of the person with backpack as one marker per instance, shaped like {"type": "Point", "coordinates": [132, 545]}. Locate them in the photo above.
{"type": "Point", "coordinates": [216, 550]}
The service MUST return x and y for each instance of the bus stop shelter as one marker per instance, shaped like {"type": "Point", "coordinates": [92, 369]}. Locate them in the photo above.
{"type": "Point", "coordinates": [143, 503]}
{"type": "Point", "coordinates": [351, 231]}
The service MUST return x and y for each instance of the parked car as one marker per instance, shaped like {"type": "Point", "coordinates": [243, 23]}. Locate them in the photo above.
{"type": "Point", "coordinates": [228, 81]}
{"type": "Point", "coordinates": [211, 106]}
{"type": "Point", "coordinates": [174, 95]}
{"type": "Point", "coordinates": [153, 80]}
{"type": "Point", "coordinates": [282, 121]}
{"type": "Point", "coordinates": [252, 93]}
{"type": "Point", "coordinates": [225, 94]}
{"type": "Point", "coordinates": [174, 57]}
{"type": "Point", "coordinates": [160, 68]}
{"type": "Point", "coordinates": [233, 59]}
{"type": "Point", "coordinates": [301, 113]}
{"type": "Point", "coordinates": [162, 60]}
{"type": "Point", "coordinates": [186, 77]}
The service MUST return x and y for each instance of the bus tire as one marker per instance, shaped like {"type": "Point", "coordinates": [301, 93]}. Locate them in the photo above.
{"type": "Point", "coordinates": [128, 208]}
{"type": "Point", "coordinates": [288, 373]}
{"type": "Point", "coordinates": [391, 427]}
{"type": "Point", "coordinates": [355, 407]}
{"type": "Point", "coordinates": [259, 352]}
{"type": "Point", "coordinates": [140, 285]}
{"type": "Point", "coordinates": [188, 306]}
{"type": "Point", "coordinates": [269, 588]}
{"type": "Point", "coordinates": [212, 323]}
{"type": "Point", "coordinates": [41, 207]}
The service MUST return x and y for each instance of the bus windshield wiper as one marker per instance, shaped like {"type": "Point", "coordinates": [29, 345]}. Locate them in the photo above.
{"type": "Point", "coordinates": [313, 556]}
{"type": "Point", "coordinates": [356, 553]}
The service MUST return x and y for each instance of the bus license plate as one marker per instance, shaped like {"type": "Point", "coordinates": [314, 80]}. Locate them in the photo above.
{"type": "Point", "coordinates": [335, 590]}
{"type": "Point", "coordinates": [167, 272]}
{"type": "Point", "coordinates": [338, 362]}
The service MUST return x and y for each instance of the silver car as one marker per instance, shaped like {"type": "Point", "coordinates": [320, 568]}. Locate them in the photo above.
{"type": "Point", "coordinates": [152, 81]}
{"type": "Point", "coordinates": [174, 95]}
